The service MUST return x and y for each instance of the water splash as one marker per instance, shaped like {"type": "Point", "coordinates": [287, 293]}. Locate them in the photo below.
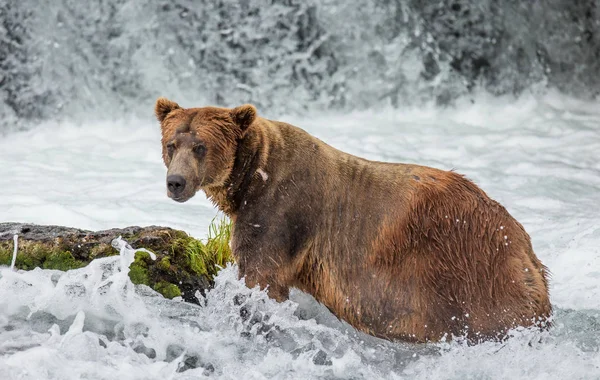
{"type": "Point", "coordinates": [15, 248]}
{"type": "Point", "coordinates": [127, 253]}
{"type": "Point", "coordinates": [113, 328]}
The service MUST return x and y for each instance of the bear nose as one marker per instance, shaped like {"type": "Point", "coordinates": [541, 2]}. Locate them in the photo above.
{"type": "Point", "coordinates": [175, 184]}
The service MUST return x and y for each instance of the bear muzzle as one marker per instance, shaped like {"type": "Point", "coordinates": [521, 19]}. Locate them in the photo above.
{"type": "Point", "coordinates": [176, 186]}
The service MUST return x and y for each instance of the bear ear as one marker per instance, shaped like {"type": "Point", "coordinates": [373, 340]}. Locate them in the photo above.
{"type": "Point", "coordinates": [163, 107]}
{"type": "Point", "coordinates": [244, 115]}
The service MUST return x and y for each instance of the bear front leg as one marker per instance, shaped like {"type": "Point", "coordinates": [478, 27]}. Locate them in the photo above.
{"type": "Point", "coordinates": [275, 290]}
{"type": "Point", "coordinates": [264, 253]}
{"type": "Point", "coordinates": [272, 276]}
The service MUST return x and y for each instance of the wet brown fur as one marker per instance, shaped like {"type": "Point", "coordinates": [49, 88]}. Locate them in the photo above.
{"type": "Point", "coordinates": [398, 251]}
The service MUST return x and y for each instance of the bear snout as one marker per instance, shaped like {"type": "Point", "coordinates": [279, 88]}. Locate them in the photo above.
{"type": "Point", "coordinates": [176, 186]}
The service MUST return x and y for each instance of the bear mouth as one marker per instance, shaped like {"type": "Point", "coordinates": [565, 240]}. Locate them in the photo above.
{"type": "Point", "coordinates": [180, 198]}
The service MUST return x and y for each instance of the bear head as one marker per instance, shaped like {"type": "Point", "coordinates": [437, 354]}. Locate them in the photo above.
{"type": "Point", "coordinates": [199, 145]}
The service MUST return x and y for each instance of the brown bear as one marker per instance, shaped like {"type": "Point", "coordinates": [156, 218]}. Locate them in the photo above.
{"type": "Point", "coordinates": [398, 251]}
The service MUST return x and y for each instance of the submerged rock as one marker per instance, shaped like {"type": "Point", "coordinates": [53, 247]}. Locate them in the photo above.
{"type": "Point", "coordinates": [183, 265]}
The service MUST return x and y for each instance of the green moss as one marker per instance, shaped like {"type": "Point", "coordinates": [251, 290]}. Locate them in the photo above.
{"type": "Point", "coordinates": [32, 255]}
{"type": "Point", "coordinates": [62, 261]}
{"type": "Point", "coordinates": [167, 289]}
{"type": "Point", "coordinates": [139, 275]}
{"type": "Point", "coordinates": [138, 270]}
{"type": "Point", "coordinates": [103, 250]}
{"type": "Point", "coordinates": [164, 264]}
{"type": "Point", "coordinates": [5, 256]}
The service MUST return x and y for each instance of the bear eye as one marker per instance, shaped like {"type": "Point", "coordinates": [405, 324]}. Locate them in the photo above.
{"type": "Point", "coordinates": [170, 149]}
{"type": "Point", "coordinates": [199, 149]}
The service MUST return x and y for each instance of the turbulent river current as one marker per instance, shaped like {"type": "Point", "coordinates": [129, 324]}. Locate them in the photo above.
{"type": "Point", "coordinates": [536, 155]}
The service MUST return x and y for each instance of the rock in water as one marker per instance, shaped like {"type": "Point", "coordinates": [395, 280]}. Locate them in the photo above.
{"type": "Point", "coordinates": [183, 266]}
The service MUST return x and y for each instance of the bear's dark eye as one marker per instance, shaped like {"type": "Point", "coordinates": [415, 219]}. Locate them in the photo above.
{"type": "Point", "coordinates": [199, 149]}
{"type": "Point", "coordinates": [170, 149]}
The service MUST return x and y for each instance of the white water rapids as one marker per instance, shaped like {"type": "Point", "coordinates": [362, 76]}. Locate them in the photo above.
{"type": "Point", "coordinates": [538, 156]}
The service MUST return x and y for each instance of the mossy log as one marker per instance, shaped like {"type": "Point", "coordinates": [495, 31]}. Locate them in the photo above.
{"type": "Point", "coordinates": [183, 266]}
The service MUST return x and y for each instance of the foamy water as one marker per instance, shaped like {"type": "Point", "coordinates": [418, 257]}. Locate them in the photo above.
{"type": "Point", "coordinates": [537, 156]}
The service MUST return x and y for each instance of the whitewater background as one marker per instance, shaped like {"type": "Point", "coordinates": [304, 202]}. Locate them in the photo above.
{"type": "Point", "coordinates": [505, 92]}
